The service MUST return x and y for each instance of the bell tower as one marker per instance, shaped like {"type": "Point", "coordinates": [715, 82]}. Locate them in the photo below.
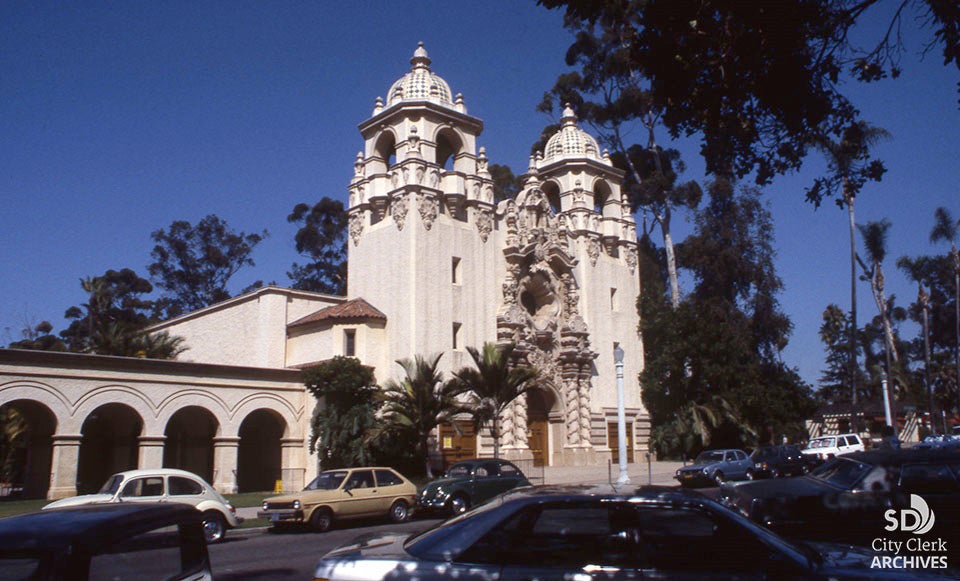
{"type": "Point", "coordinates": [421, 215]}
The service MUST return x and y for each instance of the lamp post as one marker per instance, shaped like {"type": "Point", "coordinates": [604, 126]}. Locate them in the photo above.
{"type": "Point", "coordinates": [886, 398]}
{"type": "Point", "coordinates": [624, 478]}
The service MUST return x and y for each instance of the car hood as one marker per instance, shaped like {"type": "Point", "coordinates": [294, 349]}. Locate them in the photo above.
{"type": "Point", "coordinates": [374, 546]}
{"type": "Point", "coordinates": [780, 488]}
{"type": "Point", "coordinates": [446, 481]}
{"type": "Point", "coordinates": [309, 496]}
{"type": "Point", "coordinates": [698, 467]}
{"type": "Point", "coordinates": [80, 500]}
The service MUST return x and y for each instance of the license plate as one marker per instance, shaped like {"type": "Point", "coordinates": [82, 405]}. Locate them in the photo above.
{"type": "Point", "coordinates": [274, 517]}
{"type": "Point", "coordinates": [688, 476]}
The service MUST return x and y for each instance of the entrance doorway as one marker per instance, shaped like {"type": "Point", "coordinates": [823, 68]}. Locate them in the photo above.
{"type": "Point", "coordinates": [457, 446]}
{"type": "Point", "coordinates": [538, 424]}
{"type": "Point", "coordinates": [615, 441]}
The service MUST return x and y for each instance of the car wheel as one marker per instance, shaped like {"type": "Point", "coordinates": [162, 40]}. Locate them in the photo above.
{"type": "Point", "coordinates": [321, 520]}
{"type": "Point", "coordinates": [718, 477]}
{"type": "Point", "coordinates": [214, 526]}
{"type": "Point", "coordinates": [751, 475]}
{"type": "Point", "coordinates": [459, 504]}
{"type": "Point", "coordinates": [399, 511]}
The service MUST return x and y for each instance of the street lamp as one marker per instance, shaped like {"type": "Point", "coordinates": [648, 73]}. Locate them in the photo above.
{"type": "Point", "coordinates": [624, 478]}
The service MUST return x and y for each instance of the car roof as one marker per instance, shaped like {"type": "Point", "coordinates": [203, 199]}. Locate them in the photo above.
{"type": "Point", "coordinates": [158, 472]}
{"type": "Point", "coordinates": [88, 526]}
{"type": "Point", "coordinates": [905, 456]}
{"type": "Point", "coordinates": [482, 460]}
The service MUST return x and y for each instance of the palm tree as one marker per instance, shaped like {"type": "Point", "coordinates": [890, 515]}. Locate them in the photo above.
{"type": "Point", "coordinates": [415, 406]}
{"type": "Point", "coordinates": [850, 166]}
{"type": "Point", "coordinates": [947, 229]}
{"type": "Point", "coordinates": [874, 236]}
{"type": "Point", "coordinates": [493, 385]}
{"type": "Point", "coordinates": [914, 269]}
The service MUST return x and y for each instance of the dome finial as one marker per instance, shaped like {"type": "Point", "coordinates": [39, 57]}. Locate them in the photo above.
{"type": "Point", "coordinates": [420, 58]}
{"type": "Point", "coordinates": [569, 117]}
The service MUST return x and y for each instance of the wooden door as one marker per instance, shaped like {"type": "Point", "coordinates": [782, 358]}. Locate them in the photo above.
{"type": "Point", "coordinates": [615, 442]}
{"type": "Point", "coordinates": [456, 447]}
{"type": "Point", "coordinates": [538, 440]}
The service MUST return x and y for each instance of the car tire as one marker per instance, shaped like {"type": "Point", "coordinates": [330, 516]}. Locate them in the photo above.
{"type": "Point", "coordinates": [321, 520]}
{"type": "Point", "coordinates": [718, 477]}
{"type": "Point", "coordinates": [214, 527]}
{"type": "Point", "coordinates": [751, 475]}
{"type": "Point", "coordinates": [399, 511]}
{"type": "Point", "coordinates": [459, 504]}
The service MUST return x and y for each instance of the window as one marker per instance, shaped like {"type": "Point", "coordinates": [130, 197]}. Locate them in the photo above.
{"type": "Point", "coordinates": [613, 300]}
{"type": "Point", "coordinates": [456, 335]}
{"type": "Point", "coordinates": [350, 342]}
{"type": "Point", "coordinates": [387, 478]}
{"type": "Point", "coordinates": [360, 479]}
{"type": "Point", "coordinates": [455, 270]}
{"type": "Point", "coordinates": [180, 486]}
{"type": "Point", "coordinates": [158, 554]}
{"type": "Point", "coordinates": [508, 470]}
{"type": "Point", "coordinates": [151, 486]}
{"type": "Point", "coordinates": [928, 479]}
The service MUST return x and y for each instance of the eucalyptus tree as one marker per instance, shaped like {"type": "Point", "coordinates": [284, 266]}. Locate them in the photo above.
{"type": "Point", "coordinates": [946, 229]}
{"type": "Point", "coordinates": [416, 405]}
{"type": "Point", "coordinates": [493, 384]}
{"type": "Point", "coordinates": [322, 240]}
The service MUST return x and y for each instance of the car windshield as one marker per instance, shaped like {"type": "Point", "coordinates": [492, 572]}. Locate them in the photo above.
{"type": "Point", "coordinates": [711, 456]}
{"type": "Point", "coordinates": [459, 470]}
{"type": "Point", "coordinates": [112, 485]}
{"type": "Point", "coordinates": [763, 453]}
{"type": "Point", "coordinates": [841, 472]}
{"type": "Point", "coordinates": [327, 480]}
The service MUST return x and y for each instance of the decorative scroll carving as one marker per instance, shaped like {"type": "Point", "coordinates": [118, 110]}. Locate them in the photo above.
{"type": "Point", "coordinates": [428, 208]}
{"type": "Point", "coordinates": [631, 258]}
{"type": "Point", "coordinates": [484, 224]}
{"type": "Point", "coordinates": [398, 209]}
{"type": "Point", "coordinates": [593, 250]}
{"type": "Point", "coordinates": [356, 227]}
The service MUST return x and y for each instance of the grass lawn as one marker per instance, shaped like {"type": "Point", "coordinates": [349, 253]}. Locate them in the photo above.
{"type": "Point", "coordinates": [15, 507]}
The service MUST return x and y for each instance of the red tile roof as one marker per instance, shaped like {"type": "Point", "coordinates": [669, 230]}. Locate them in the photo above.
{"type": "Point", "coordinates": [352, 309]}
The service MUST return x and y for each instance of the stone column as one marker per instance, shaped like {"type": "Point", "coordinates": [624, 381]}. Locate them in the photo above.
{"type": "Point", "coordinates": [151, 451]}
{"type": "Point", "coordinates": [225, 451]}
{"type": "Point", "coordinates": [66, 457]}
{"type": "Point", "coordinates": [292, 469]}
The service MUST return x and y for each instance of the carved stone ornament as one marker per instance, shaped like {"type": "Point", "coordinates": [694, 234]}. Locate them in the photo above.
{"type": "Point", "coordinates": [631, 258]}
{"type": "Point", "coordinates": [484, 224]}
{"type": "Point", "coordinates": [593, 250]}
{"type": "Point", "coordinates": [356, 227]}
{"type": "Point", "coordinates": [398, 209]}
{"type": "Point", "coordinates": [428, 207]}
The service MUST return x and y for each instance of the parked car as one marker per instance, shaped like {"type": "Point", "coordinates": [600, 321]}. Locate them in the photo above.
{"type": "Point", "coordinates": [934, 442]}
{"type": "Point", "coordinates": [826, 447]}
{"type": "Point", "coordinates": [344, 494]}
{"type": "Point", "coordinates": [469, 483]}
{"type": "Point", "coordinates": [777, 461]}
{"type": "Point", "coordinates": [165, 485]}
{"type": "Point", "coordinates": [847, 498]}
{"type": "Point", "coordinates": [715, 467]}
{"type": "Point", "coordinates": [106, 541]}
{"type": "Point", "coordinates": [596, 532]}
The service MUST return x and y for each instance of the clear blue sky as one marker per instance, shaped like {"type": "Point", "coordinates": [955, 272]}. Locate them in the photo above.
{"type": "Point", "coordinates": [118, 118]}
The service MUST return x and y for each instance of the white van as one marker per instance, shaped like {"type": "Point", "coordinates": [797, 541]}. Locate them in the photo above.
{"type": "Point", "coordinates": [826, 447]}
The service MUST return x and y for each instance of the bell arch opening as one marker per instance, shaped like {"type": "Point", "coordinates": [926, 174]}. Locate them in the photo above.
{"type": "Point", "coordinates": [189, 444]}
{"type": "Point", "coordinates": [109, 444]}
{"type": "Point", "coordinates": [384, 154]}
{"type": "Point", "coordinates": [551, 191]}
{"type": "Point", "coordinates": [449, 145]}
{"type": "Point", "coordinates": [26, 448]}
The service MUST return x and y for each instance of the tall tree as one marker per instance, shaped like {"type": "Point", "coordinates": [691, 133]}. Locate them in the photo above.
{"type": "Point", "coordinates": [194, 263]}
{"type": "Point", "coordinates": [322, 240]}
{"type": "Point", "coordinates": [754, 80]}
{"type": "Point", "coordinates": [946, 229]}
{"type": "Point", "coordinates": [39, 337]}
{"type": "Point", "coordinates": [835, 379]}
{"type": "Point", "coordinates": [874, 236]}
{"type": "Point", "coordinates": [506, 185]}
{"type": "Point", "coordinates": [343, 419]}
{"type": "Point", "coordinates": [493, 384]}
{"type": "Point", "coordinates": [849, 167]}
{"type": "Point", "coordinates": [414, 406]}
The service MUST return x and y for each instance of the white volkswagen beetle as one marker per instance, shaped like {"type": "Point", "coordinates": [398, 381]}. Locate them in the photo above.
{"type": "Point", "coordinates": [165, 485]}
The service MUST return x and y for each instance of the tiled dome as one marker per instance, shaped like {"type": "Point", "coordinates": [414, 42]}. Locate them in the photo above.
{"type": "Point", "coordinates": [570, 141]}
{"type": "Point", "coordinates": [420, 84]}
